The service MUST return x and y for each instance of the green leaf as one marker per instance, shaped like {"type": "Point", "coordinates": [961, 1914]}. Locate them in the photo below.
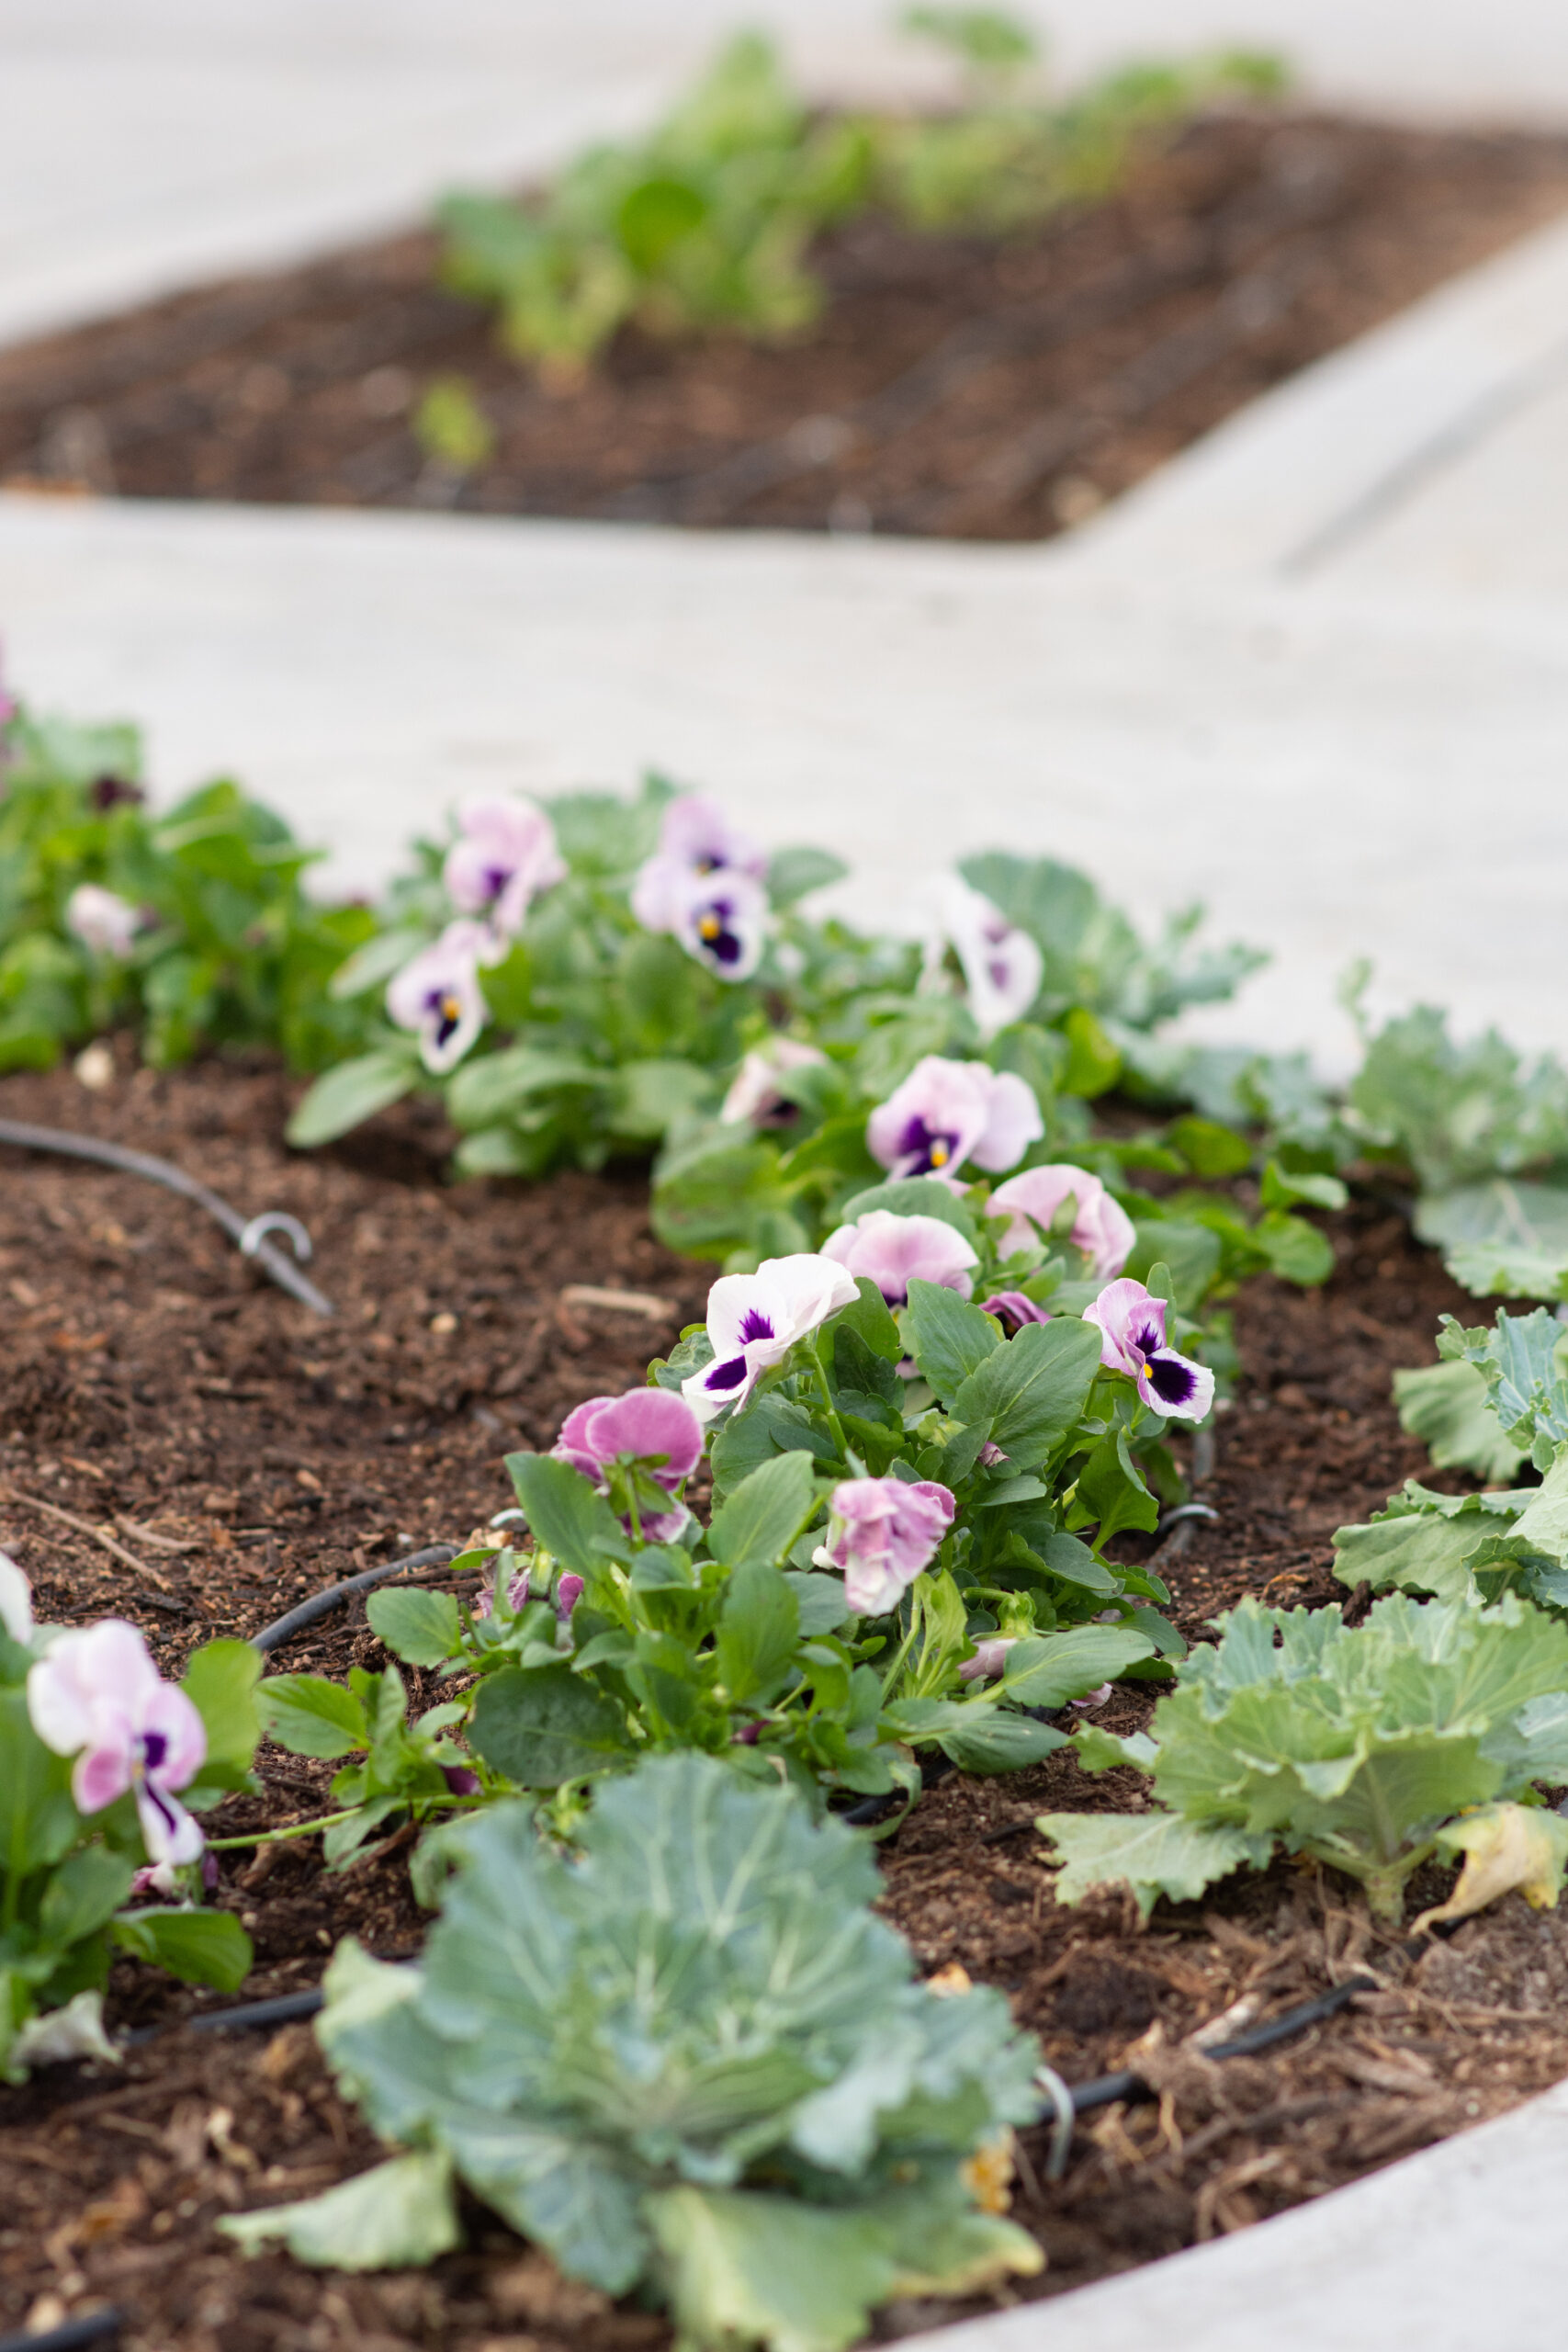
{"type": "Point", "coordinates": [764, 1514]}
{"type": "Point", "coordinates": [1094, 1059]}
{"type": "Point", "coordinates": [1283, 1191]}
{"type": "Point", "coordinates": [1503, 1235]}
{"type": "Point", "coordinates": [1445, 1406]}
{"type": "Point", "coordinates": [310, 1716]}
{"type": "Point", "coordinates": [949, 1338]}
{"type": "Point", "coordinates": [758, 1628]}
{"type": "Point", "coordinates": [38, 1820]}
{"type": "Point", "coordinates": [1153, 1853]}
{"type": "Point", "coordinates": [1190, 1250]}
{"type": "Point", "coordinates": [541, 1725]}
{"type": "Point", "coordinates": [994, 1740]}
{"type": "Point", "coordinates": [871, 1321]}
{"type": "Point", "coordinates": [352, 1093]}
{"type": "Point", "coordinates": [1051, 1668]}
{"type": "Point", "coordinates": [489, 1089]}
{"type": "Point", "coordinates": [568, 1515]}
{"type": "Point", "coordinates": [1110, 1489]}
{"type": "Point", "coordinates": [396, 2215]}
{"type": "Point", "coordinates": [820, 1601]}
{"type": "Point", "coordinates": [1421, 1542]}
{"type": "Point", "coordinates": [372, 966]}
{"type": "Point", "coordinates": [1296, 1251]}
{"type": "Point", "coordinates": [914, 1196]}
{"type": "Point", "coordinates": [1209, 1148]}
{"type": "Point", "coordinates": [422, 1628]}
{"type": "Point", "coordinates": [1033, 1388]}
{"type": "Point", "coordinates": [793, 872]}
{"type": "Point", "coordinates": [221, 1681]}
{"type": "Point", "coordinates": [199, 1947]}
{"type": "Point", "coordinates": [751, 2268]}
{"type": "Point", "coordinates": [86, 1889]}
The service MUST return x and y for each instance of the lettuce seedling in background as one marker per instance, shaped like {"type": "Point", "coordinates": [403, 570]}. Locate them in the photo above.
{"type": "Point", "coordinates": [1357, 1747]}
{"type": "Point", "coordinates": [686, 2057]}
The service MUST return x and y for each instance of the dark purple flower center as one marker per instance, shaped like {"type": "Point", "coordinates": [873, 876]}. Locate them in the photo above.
{"type": "Point", "coordinates": [754, 1325]}
{"type": "Point", "coordinates": [496, 880]}
{"type": "Point", "coordinates": [716, 930]}
{"type": "Point", "coordinates": [109, 791]}
{"type": "Point", "coordinates": [447, 1008]}
{"type": "Point", "coordinates": [1149, 1339]}
{"type": "Point", "coordinates": [721, 1377]}
{"type": "Point", "coordinates": [928, 1147]}
{"type": "Point", "coordinates": [154, 1747]}
{"type": "Point", "coordinates": [1173, 1381]}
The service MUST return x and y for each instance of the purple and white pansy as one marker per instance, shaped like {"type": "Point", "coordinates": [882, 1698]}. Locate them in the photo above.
{"type": "Point", "coordinates": [881, 1534]}
{"type": "Point", "coordinates": [704, 884]}
{"type": "Point", "coordinates": [1132, 1340]}
{"type": "Point", "coordinates": [754, 1095]}
{"type": "Point", "coordinates": [754, 1320]}
{"type": "Point", "coordinates": [102, 921]}
{"type": "Point", "coordinates": [96, 1695]}
{"type": "Point", "coordinates": [722, 920]}
{"type": "Point", "coordinates": [647, 1429]}
{"type": "Point", "coordinates": [1002, 966]}
{"type": "Point", "coordinates": [437, 994]}
{"type": "Point", "coordinates": [1101, 1227]}
{"type": "Point", "coordinates": [947, 1112]}
{"type": "Point", "coordinates": [893, 1251]}
{"type": "Point", "coordinates": [504, 855]}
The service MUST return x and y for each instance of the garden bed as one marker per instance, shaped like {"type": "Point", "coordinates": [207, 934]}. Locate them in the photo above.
{"type": "Point", "coordinates": [952, 387]}
{"type": "Point", "coordinates": [157, 1392]}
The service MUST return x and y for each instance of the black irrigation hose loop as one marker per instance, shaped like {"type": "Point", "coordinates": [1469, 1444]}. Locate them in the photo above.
{"type": "Point", "coordinates": [91, 2327]}
{"type": "Point", "coordinates": [249, 1235]}
{"type": "Point", "coordinates": [322, 1604]}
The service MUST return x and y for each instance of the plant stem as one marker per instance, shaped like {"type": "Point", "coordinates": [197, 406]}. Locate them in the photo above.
{"type": "Point", "coordinates": [272, 1837]}
{"type": "Point", "coordinates": [829, 1408]}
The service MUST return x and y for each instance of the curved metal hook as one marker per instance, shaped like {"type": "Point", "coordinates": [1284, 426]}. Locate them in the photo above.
{"type": "Point", "coordinates": [1062, 2113]}
{"type": "Point", "coordinates": [253, 1235]}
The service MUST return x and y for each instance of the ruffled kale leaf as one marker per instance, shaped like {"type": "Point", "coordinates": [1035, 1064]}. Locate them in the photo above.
{"type": "Point", "coordinates": [1355, 1746]}
{"type": "Point", "coordinates": [688, 2055]}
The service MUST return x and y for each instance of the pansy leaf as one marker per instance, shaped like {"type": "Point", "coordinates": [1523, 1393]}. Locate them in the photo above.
{"type": "Point", "coordinates": [352, 1093]}
{"type": "Point", "coordinates": [870, 1322]}
{"type": "Point", "coordinates": [568, 1515]}
{"type": "Point", "coordinates": [762, 1516]}
{"type": "Point", "coordinates": [1033, 1390]}
{"type": "Point", "coordinates": [770, 1425]}
{"type": "Point", "coordinates": [1048, 1669]}
{"type": "Point", "coordinates": [759, 1629]}
{"type": "Point", "coordinates": [221, 1681]}
{"type": "Point", "coordinates": [1111, 1490]}
{"type": "Point", "coordinates": [914, 1196]}
{"type": "Point", "coordinates": [791, 872]}
{"type": "Point", "coordinates": [949, 1338]}
{"type": "Point", "coordinates": [311, 1716]}
{"type": "Point", "coordinates": [542, 1725]}
{"type": "Point", "coordinates": [199, 1947]}
{"type": "Point", "coordinates": [422, 1628]}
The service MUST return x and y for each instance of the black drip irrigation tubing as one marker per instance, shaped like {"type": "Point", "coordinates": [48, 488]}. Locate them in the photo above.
{"type": "Point", "coordinates": [248, 1234]}
{"type": "Point", "coordinates": [322, 1604]}
{"type": "Point", "coordinates": [90, 2327]}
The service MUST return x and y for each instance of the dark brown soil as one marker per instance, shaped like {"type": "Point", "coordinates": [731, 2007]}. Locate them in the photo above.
{"type": "Point", "coordinates": [155, 1387]}
{"type": "Point", "coordinates": [952, 386]}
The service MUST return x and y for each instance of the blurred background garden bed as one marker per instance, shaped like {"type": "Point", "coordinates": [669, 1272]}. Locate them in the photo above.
{"type": "Point", "coordinates": [954, 386]}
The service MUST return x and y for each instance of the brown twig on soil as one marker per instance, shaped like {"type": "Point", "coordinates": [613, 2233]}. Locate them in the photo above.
{"type": "Point", "coordinates": [159, 1543]}
{"type": "Point", "coordinates": [86, 1526]}
{"type": "Point", "coordinates": [631, 1302]}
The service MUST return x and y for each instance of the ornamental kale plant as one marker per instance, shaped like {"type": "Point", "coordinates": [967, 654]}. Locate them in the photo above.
{"type": "Point", "coordinates": [99, 1760]}
{"type": "Point", "coordinates": [685, 2057]}
{"type": "Point", "coordinates": [1356, 1748]}
{"type": "Point", "coordinates": [191, 926]}
{"type": "Point", "coordinates": [706, 222]}
{"type": "Point", "coordinates": [1498, 1398]}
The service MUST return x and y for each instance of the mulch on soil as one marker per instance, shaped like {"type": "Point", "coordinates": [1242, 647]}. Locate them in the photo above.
{"type": "Point", "coordinates": [954, 386]}
{"type": "Point", "coordinates": [155, 1387]}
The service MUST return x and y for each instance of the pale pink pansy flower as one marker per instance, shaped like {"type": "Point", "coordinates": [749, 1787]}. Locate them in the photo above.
{"type": "Point", "coordinates": [1101, 1227]}
{"type": "Point", "coordinates": [989, 1658]}
{"type": "Point", "coordinates": [754, 1093]}
{"type": "Point", "coordinates": [722, 920]}
{"type": "Point", "coordinates": [15, 1601]}
{"type": "Point", "coordinates": [946, 1113]}
{"type": "Point", "coordinates": [1132, 1340]}
{"type": "Point", "coordinates": [893, 1251]}
{"type": "Point", "coordinates": [1002, 966]}
{"type": "Point", "coordinates": [648, 1427]}
{"type": "Point", "coordinates": [96, 1695]}
{"type": "Point", "coordinates": [504, 855]}
{"type": "Point", "coordinates": [753, 1321]}
{"type": "Point", "coordinates": [881, 1534]}
{"type": "Point", "coordinates": [102, 921]}
{"type": "Point", "coordinates": [1013, 1309]}
{"type": "Point", "coordinates": [437, 995]}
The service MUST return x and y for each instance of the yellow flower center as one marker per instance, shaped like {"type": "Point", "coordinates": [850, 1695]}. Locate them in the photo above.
{"type": "Point", "coordinates": [938, 1154]}
{"type": "Point", "coordinates": [451, 1008]}
{"type": "Point", "coordinates": [709, 927]}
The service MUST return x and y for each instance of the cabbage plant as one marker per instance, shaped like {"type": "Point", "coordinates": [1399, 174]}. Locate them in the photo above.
{"type": "Point", "coordinates": [1356, 1746]}
{"type": "Point", "coordinates": [686, 2057]}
